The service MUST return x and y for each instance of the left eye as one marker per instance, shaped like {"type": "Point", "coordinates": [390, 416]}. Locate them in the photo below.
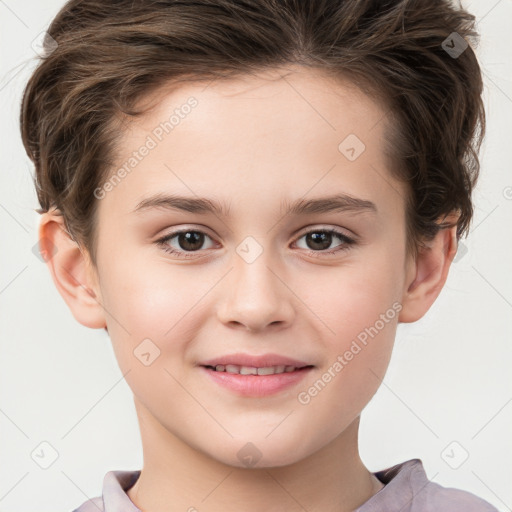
{"type": "Point", "coordinates": [322, 239]}
{"type": "Point", "coordinates": [190, 241]}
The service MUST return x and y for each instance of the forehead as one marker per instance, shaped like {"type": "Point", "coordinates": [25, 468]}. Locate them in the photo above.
{"type": "Point", "coordinates": [275, 98]}
{"type": "Point", "coordinates": [274, 135]}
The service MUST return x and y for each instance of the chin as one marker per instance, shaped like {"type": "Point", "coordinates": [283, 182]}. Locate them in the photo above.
{"type": "Point", "coordinates": [258, 454]}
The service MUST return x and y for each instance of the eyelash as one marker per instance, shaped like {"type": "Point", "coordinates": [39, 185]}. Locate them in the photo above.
{"type": "Point", "coordinates": [347, 242]}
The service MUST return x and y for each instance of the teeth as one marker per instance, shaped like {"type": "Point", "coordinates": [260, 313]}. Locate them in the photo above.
{"type": "Point", "coordinates": [251, 370]}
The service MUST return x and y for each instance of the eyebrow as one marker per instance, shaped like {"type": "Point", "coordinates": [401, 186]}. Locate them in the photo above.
{"type": "Point", "coordinates": [186, 204]}
{"type": "Point", "coordinates": [334, 203]}
{"type": "Point", "coordinates": [202, 205]}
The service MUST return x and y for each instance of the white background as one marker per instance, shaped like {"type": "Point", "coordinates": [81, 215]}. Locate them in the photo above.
{"type": "Point", "coordinates": [449, 378]}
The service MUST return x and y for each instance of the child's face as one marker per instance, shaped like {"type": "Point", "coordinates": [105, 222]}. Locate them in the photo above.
{"type": "Point", "coordinates": [254, 146]}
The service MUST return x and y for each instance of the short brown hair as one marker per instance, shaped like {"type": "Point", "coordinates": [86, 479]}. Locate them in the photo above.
{"type": "Point", "coordinates": [111, 54]}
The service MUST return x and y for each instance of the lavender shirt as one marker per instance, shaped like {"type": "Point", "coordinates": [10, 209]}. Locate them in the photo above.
{"type": "Point", "coordinates": [406, 489]}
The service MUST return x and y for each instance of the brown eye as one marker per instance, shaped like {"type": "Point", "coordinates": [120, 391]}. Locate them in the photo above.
{"type": "Point", "coordinates": [183, 243]}
{"type": "Point", "coordinates": [190, 240]}
{"type": "Point", "coordinates": [320, 240]}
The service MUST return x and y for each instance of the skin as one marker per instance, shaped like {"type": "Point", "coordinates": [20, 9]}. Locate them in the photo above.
{"type": "Point", "coordinates": [252, 143]}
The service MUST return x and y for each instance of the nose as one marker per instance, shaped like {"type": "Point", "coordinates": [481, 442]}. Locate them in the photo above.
{"type": "Point", "coordinates": [254, 296]}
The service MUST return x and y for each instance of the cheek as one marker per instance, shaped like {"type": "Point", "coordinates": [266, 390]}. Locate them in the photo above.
{"type": "Point", "coordinates": [145, 305]}
{"type": "Point", "coordinates": [360, 307]}
{"type": "Point", "coordinates": [356, 296]}
{"type": "Point", "coordinates": [144, 293]}
{"type": "Point", "coordinates": [357, 360]}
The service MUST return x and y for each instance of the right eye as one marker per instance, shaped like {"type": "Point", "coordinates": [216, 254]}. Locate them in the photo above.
{"type": "Point", "coordinates": [187, 242]}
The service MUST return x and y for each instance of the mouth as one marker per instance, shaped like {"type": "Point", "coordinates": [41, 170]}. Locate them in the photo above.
{"type": "Point", "coordinates": [253, 381]}
{"type": "Point", "coordinates": [252, 370]}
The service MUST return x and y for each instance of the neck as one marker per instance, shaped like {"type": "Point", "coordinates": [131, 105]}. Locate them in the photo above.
{"type": "Point", "coordinates": [176, 477]}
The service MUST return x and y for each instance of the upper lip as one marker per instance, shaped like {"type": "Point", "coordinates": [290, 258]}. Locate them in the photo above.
{"type": "Point", "coordinates": [261, 361]}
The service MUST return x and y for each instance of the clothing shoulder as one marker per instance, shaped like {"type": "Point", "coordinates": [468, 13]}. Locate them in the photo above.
{"type": "Point", "coordinates": [92, 505]}
{"type": "Point", "coordinates": [428, 496]}
{"type": "Point", "coordinates": [407, 488]}
{"type": "Point", "coordinates": [114, 496]}
{"type": "Point", "coordinates": [448, 499]}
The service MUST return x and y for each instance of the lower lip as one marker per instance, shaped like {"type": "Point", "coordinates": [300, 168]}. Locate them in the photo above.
{"type": "Point", "coordinates": [257, 385]}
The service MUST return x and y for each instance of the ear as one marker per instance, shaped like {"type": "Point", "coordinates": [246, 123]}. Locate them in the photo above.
{"type": "Point", "coordinates": [72, 271]}
{"type": "Point", "coordinates": [427, 274]}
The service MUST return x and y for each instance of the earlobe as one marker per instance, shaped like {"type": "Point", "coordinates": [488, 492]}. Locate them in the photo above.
{"type": "Point", "coordinates": [427, 275]}
{"type": "Point", "coordinates": [71, 271]}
